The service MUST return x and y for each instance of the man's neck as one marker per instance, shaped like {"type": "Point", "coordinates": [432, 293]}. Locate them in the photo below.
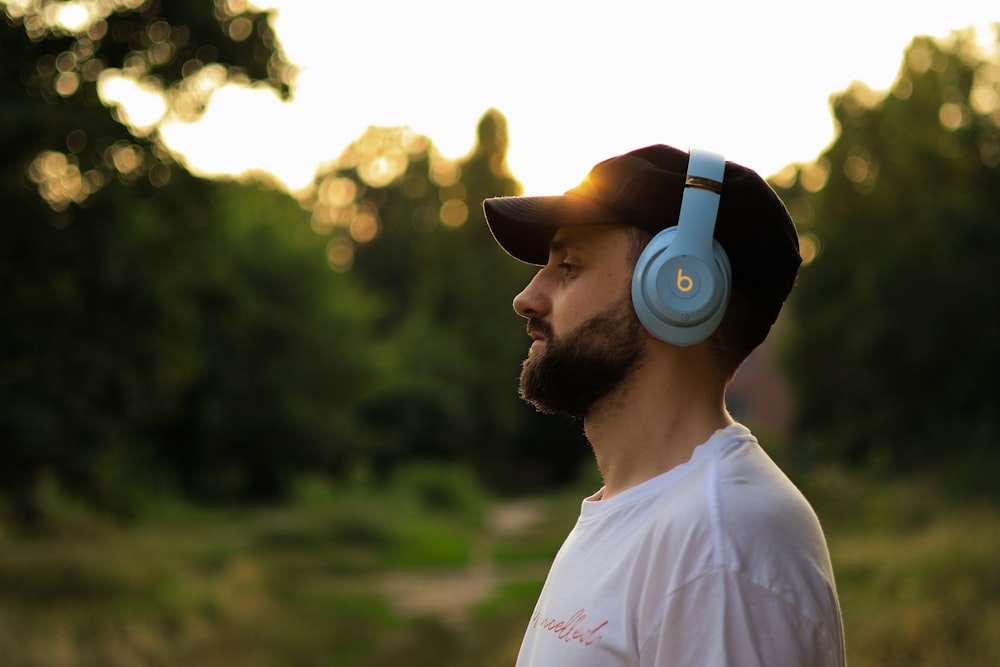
{"type": "Point", "coordinates": [655, 420]}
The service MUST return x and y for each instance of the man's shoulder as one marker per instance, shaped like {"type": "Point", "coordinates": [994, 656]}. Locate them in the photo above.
{"type": "Point", "coordinates": [732, 475]}
{"type": "Point", "coordinates": [735, 508]}
{"type": "Point", "coordinates": [755, 496]}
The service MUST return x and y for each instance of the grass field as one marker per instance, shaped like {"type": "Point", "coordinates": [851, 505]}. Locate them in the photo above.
{"type": "Point", "coordinates": [432, 572]}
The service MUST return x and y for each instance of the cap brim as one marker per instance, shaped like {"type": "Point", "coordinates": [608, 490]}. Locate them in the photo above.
{"type": "Point", "coordinates": [524, 226]}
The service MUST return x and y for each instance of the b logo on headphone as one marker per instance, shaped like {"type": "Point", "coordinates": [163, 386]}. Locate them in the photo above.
{"type": "Point", "coordinates": [684, 283]}
{"type": "Point", "coordinates": [681, 282]}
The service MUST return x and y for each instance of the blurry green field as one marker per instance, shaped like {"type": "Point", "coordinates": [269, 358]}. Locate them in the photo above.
{"type": "Point", "coordinates": [431, 572]}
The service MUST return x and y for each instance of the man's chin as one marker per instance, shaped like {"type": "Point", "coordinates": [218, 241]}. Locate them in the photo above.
{"type": "Point", "coordinates": [538, 392]}
{"type": "Point", "coordinates": [548, 409]}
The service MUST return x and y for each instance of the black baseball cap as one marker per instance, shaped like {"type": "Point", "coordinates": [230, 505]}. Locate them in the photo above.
{"type": "Point", "coordinates": [643, 188]}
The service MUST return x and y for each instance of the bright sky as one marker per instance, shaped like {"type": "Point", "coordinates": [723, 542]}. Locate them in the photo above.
{"type": "Point", "coordinates": [578, 81]}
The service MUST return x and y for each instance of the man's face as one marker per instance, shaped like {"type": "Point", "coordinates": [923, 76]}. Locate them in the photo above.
{"type": "Point", "coordinates": [587, 339]}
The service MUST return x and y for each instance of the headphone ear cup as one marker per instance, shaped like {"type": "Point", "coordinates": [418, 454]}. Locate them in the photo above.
{"type": "Point", "coordinates": [680, 298]}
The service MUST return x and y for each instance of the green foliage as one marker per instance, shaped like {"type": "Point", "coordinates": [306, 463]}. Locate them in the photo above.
{"type": "Point", "coordinates": [451, 346]}
{"type": "Point", "coordinates": [893, 351]}
{"type": "Point", "coordinates": [284, 350]}
{"type": "Point", "coordinates": [179, 336]}
{"type": "Point", "coordinates": [276, 586]}
{"type": "Point", "coordinates": [104, 283]}
{"type": "Point", "coordinates": [914, 588]}
{"type": "Point", "coordinates": [206, 350]}
{"type": "Point", "coordinates": [422, 519]}
{"type": "Point", "coordinates": [442, 489]}
{"type": "Point", "coordinates": [49, 76]}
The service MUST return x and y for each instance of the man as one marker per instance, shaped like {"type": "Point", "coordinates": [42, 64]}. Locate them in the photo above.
{"type": "Point", "coordinates": [697, 551]}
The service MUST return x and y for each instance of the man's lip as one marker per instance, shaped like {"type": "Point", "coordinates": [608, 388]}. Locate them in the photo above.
{"type": "Point", "coordinates": [536, 330]}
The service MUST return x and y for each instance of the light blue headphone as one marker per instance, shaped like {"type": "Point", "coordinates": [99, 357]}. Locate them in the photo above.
{"type": "Point", "coordinates": [681, 283]}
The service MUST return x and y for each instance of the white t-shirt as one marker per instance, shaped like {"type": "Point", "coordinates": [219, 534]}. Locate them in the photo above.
{"type": "Point", "coordinates": [717, 562]}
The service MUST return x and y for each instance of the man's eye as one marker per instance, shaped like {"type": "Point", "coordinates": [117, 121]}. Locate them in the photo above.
{"type": "Point", "coordinates": [568, 269]}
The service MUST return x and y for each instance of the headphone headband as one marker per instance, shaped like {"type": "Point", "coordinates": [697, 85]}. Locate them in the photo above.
{"type": "Point", "coordinates": [702, 191]}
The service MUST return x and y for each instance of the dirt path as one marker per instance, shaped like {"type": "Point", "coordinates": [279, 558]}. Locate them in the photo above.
{"type": "Point", "coordinates": [452, 595]}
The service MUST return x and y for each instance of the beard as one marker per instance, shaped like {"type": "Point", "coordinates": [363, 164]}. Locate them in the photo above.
{"type": "Point", "coordinates": [575, 371]}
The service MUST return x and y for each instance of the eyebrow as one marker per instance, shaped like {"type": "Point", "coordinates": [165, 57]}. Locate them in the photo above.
{"type": "Point", "coordinates": [559, 245]}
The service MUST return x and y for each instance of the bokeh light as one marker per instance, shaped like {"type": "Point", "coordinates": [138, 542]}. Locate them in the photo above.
{"type": "Point", "coordinates": [74, 16]}
{"type": "Point", "coordinates": [813, 176]}
{"type": "Point", "coordinates": [380, 157]}
{"type": "Point", "coordinates": [60, 180]}
{"type": "Point", "coordinates": [454, 213]}
{"type": "Point", "coordinates": [809, 248]}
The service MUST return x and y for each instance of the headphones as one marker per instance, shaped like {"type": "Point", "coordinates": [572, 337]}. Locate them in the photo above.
{"type": "Point", "coordinates": [682, 280]}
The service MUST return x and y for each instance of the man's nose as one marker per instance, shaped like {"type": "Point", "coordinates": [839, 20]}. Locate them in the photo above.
{"type": "Point", "coordinates": [533, 300]}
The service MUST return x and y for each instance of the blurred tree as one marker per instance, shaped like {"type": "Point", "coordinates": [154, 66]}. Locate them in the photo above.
{"type": "Point", "coordinates": [282, 353]}
{"type": "Point", "coordinates": [59, 61]}
{"type": "Point", "coordinates": [185, 339]}
{"type": "Point", "coordinates": [177, 334]}
{"type": "Point", "coordinates": [895, 354]}
{"type": "Point", "coordinates": [410, 225]}
{"type": "Point", "coordinates": [159, 330]}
